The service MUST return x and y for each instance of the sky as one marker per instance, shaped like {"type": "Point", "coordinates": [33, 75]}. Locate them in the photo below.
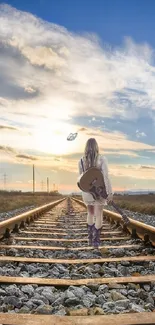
{"type": "Point", "coordinates": [76, 66]}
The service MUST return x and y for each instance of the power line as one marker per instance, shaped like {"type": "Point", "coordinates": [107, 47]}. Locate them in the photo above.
{"type": "Point", "coordinates": [4, 180]}
{"type": "Point", "coordinates": [42, 186]}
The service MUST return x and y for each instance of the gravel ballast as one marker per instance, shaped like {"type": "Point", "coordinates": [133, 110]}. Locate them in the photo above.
{"type": "Point", "coordinates": [79, 271]}
{"type": "Point", "coordinates": [95, 299]}
{"type": "Point", "coordinates": [83, 300]}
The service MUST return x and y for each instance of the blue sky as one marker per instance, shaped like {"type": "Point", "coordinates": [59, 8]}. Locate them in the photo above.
{"type": "Point", "coordinates": [86, 67]}
{"type": "Point", "coordinates": [112, 20]}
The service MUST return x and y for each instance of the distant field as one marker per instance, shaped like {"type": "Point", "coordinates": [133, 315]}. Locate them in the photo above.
{"type": "Point", "coordinates": [138, 203]}
{"type": "Point", "coordinates": [11, 202]}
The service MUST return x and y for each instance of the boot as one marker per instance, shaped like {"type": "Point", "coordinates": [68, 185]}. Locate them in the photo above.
{"type": "Point", "coordinates": [90, 234]}
{"type": "Point", "coordinates": [96, 237]}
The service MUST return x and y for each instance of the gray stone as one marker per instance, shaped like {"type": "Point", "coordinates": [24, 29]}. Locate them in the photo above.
{"type": "Point", "coordinates": [32, 269]}
{"type": "Point", "coordinates": [13, 301]}
{"type": "Point", "coordinates": [2, 292]}
{"type": "Point", "coordinates": [86, 302]}
{"type": "Point", "coordinates": [103, 288]}
{"type": "Point", "coordinates": [122, 303]}
{"type": "Point", "coordinates": [4, 308]}
{"type": "Point", "coordinates": [136, 308]}
{"type": "Point", "coordinates": [150, 300]}
{"type": "Point", "coordinates": [147, 287]}
{"type": "Point", "coordinates": [18, 269]}
{"type": "Point", "coordinates": [109, 305]}
{"type": "Point", "coordinates": [39, 290]}
{"type": "Point", "coordinates": [46, 309]}
{"type": "Point", "coordinates": [97, 268]}
{"type": "Point", "coordinates": [24, 310]}
{"type": "Point", "coordinates": [12, 252]}
{"type": "Point", "coordinates": [37, 302]}
{"type": "Point", "coordinates": [47, 295]}
{"type": "Point", "coordinates": [109, 272]}
{"type": "Point", "coordinates": [91, 297]}
{"type": "Point", "coordinates": [100, 299]}
{"type": "Point", "coordinates": [72, 301]}
{"type": "Point", "coordinates": [28, 289]}
{"type": "Point", "coordinates": [29, 304]}
{"type": "Point", "coordinates": [119, 252]}
{"type": "Point", "coordinates": [76, 276]}
{"type": "Point", "coordinates": [134, 299]}
{"type": "Point", "coordinates": [132, 286]}
{"type": "Point", "coordinates": [125, 263]}
{"type": "Point", "coordinates": [85, 288]}
{"type": "Point", "coordinates": [117, 296]}
{"type": "Point", "coordinates": [69, 294]}
{"type": "Point", "coordinates": [13, 290]}
{"type": "Point", "coordinates": [142, 294]}
{"type": "Point", "coordinates": [55, 271]}
{"type": "Point", "coordinates": [61, 268]}
{"type": "Point", "coordinates": [24, 274]}
{"type": "Point", "coordinates": [132, 293]}
{"type": "Point", "coordinates": [123, 292]}
{"type": "Point", "coordinates": [61, 311]}
{"type": "Point", "coordinates": [40, 297]}
{"type": "Point", "coordinates": [43, 275]}
{"type": "Point", "coordinates": [58, 301]}
{"type": "Point", "coordinates": [79, 292]}
{"type": "Point", "coordinates": [88, 270]}
{"type": "Point", "coordinates": [149, 306]}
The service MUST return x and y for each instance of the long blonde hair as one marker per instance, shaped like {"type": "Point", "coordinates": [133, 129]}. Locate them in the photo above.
{"type": "Point", "coordinates": [91, 153]}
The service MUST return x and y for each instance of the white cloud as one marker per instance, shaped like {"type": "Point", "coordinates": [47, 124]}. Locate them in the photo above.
{"type": "Point", "coordinates": [124, 153]}
{"type": "Point", "coordinates": [140, 134]}
{"type": "Point", "coordinates": [49, 76]}
{"type": "Point", "coordinates": [66, 74]}
{"type": "Point", "coordinates": [52, 139]}
{"type": "Point", "coordinates": [132, 171]}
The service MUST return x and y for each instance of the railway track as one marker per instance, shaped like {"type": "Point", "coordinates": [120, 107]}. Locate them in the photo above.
{"type": "Point", "coordinates": [49, 275]}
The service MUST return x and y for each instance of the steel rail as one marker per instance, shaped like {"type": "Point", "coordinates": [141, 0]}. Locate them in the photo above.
{"type": "Point", "coordinates": [136, 228]}
{"type": "Point", "coordinates": [84, 316]}
{"type": "Point", "coordinates": [14, 223]}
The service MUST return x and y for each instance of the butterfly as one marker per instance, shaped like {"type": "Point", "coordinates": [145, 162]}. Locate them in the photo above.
{"type": "Point", "coordinates": [72, 136]}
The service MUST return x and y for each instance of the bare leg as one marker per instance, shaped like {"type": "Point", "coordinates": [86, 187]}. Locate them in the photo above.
{"type": "Point", "coordinates": [90, 223]}
{"type": "Point", "coordinates": [98, 225]}
{"type": "Point", "coordinates": [90, 215]}
{"type": "Point", "coordinates": [98, 216]}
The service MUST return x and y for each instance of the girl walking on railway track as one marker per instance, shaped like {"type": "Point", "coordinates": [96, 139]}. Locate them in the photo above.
{"type": "Point", "coordinates": [92, 158]}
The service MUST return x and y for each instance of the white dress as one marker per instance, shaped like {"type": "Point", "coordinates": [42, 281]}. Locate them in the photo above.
{"type": "Point", "coordinates": [102, 165]}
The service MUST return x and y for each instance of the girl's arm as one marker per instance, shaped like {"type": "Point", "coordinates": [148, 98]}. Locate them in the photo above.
{"type": "Point", "coordinates": [80, 167]}
{"type": "Point", "coordinates": [107, 181]}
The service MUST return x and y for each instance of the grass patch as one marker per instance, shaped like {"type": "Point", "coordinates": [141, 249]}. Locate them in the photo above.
{"type": "Point", "coordinates": [143, 203]}
{"type": "Point", "coordinates": [10, 202]}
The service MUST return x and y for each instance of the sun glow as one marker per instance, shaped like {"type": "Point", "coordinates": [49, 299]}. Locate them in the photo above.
{"type": "Point", "coordinates": [52, 138]}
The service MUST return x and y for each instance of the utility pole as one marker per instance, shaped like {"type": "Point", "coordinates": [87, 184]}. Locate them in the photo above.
{"type": "Point", "coordinates": [47, 185]}
{"type": "Point", "coordinates": [33, 180]}
{"type": "Point", "coordinates": [53, 187]}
